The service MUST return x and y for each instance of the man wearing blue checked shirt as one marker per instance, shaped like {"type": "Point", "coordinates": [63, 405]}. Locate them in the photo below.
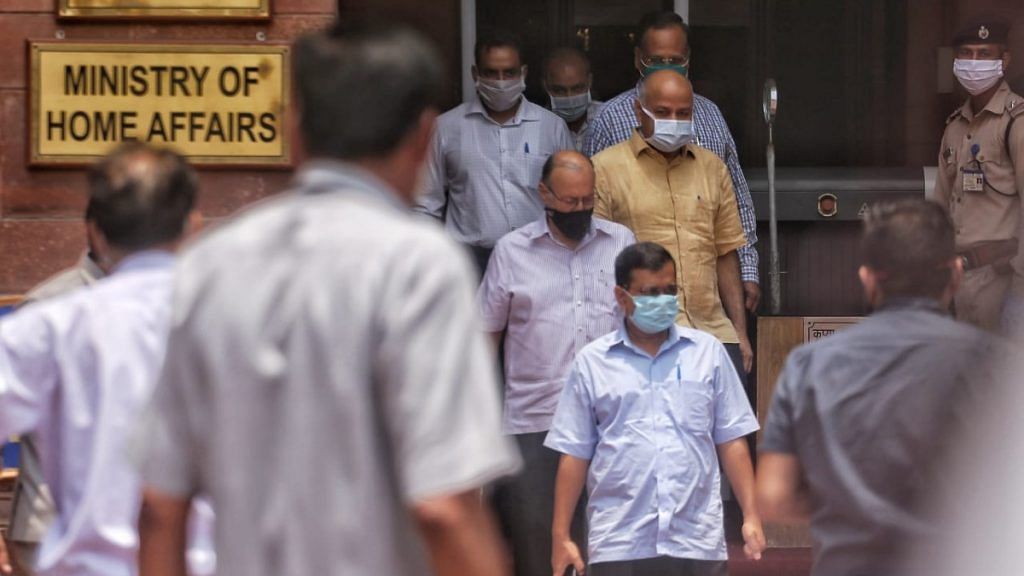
{"type": "Point", "coordinates": [646, 415]}
{"type": "Point", "coordinates": [662, 41]}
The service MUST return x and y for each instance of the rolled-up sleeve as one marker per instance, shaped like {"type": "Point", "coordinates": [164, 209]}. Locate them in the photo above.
{"type": "Point", "coordinates": [493, 297]}
{"type": "Point", "coordinates": [28, 372]}
{"type": "Point", "coordinates": [733, 416]}
{"type": "Point", "coordinates": [779, 434]}
{"type": "Point", "coordinates": [574, 429]}
{"type": "Point", "coordinates": [439, 393]}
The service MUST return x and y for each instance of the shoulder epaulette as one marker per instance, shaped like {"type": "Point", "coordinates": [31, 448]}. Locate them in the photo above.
{"type": "Point", "coordinates": [956, 114]}
{"type": "Point", "coordinates": [1015, 106]}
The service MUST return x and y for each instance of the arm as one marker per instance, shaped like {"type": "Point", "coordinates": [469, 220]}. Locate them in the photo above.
{"type": "Point", "coordinates": [748, 219]}
{"type": "Point", "coordinates": [1015, 145]}
{"type": "Point", "coordinates": [572, 475]}
{"type": "Point", "coordinates": [781, 494]}
{"type": "Point", "coordinates": [432, 199]}
{"type": "Point", "coordinates": [28, 370]}
{"type": "Point", "coordinates": [460, 534]}
{"type": "Point", "coordinates": [163, 520]}
{"type": "Point", "coordinates": [496, 340]}
{"type": "Point", "coordinates": [5, 561]}
{"type": "Point", "coordinates": [602, 194]}
{"type": "Point", "coordinates": [735, 458]}
{"type": "Point", "coordinates": [731, 291]}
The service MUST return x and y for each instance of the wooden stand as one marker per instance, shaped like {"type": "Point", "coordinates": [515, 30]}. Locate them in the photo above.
{"type": "Point", "coordinates": [776, 337]}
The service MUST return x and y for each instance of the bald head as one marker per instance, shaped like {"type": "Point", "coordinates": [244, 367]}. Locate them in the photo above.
{"type": "Point", "coordinates": [141, 196]}
{"type": "Point", "coordinates": [565, 160]}
{"type": "Point", "coordinates": [567, 181]}
{"type": "Point", "coordinates": [666, 86]}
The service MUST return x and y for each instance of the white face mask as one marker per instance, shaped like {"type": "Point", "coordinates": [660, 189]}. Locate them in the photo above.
{"type": "Point", "coordinates": [500, 95]}
{"type": "Point", "coordinates": [669, 135]}
{"type": "Point", "coordinates": [977, 76]}
{"type": "Point", "coordinates": [570, 108]}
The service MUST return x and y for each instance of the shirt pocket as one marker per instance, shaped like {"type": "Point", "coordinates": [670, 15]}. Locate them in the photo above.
{"type": "Point", "coordinates": [695, 214]}
{"type": "Point", "coordinates": [599, 291]}
{"type": "Point", "coordinates": [691, 403]}
{"type": "Point", "coordinates": [527, 167]}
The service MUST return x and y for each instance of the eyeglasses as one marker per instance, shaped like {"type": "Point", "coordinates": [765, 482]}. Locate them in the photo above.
{"type": "Point", "coordinates": [665, 61]}
{"type": "Point", "coordinates": [495, 74]}
{"type": "Point", "coordinates": [586, 202]}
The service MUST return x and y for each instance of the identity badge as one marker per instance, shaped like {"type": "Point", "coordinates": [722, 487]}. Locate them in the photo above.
{"type": "Point", "coordinates": [974, 181]}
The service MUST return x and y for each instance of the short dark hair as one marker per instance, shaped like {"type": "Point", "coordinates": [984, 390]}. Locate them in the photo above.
{"type": "Point", "coordinates": [140, 196]}
{"type": "Point", "coordinates": [909, 244]}
{"type": "Point", "coordinates": [552, 162]}
{"type": "Point", "coordinates": [659, 21]}
{"type": "Point", "coordinates": [496, 39]}
{"type": "Point", "coordinates": [640, 256]}
{"type": "Point", "coordinates": [362, 88]}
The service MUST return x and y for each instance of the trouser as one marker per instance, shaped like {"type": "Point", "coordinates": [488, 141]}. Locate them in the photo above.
{"type": "Point", "coordinates": [481, 256]}
{"type": "Point", "coordinates": [660, 566]}
{"type": "Point", "coordinates": [525, 505]}
{"type": "Point", "coordinates": [981, 297]}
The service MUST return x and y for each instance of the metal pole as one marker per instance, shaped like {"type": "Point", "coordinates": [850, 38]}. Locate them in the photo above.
{"type": "Point", "coordinates": [775, 283]}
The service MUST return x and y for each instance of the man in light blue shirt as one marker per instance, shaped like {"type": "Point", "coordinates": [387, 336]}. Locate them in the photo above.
{"type": "Point", "coordinates": [646, 416]}
{"type": "Point", "coordinates": [487, 154]}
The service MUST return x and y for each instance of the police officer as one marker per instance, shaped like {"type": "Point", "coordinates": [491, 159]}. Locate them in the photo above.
{"type": "Point", "coordinates": [981, 174]}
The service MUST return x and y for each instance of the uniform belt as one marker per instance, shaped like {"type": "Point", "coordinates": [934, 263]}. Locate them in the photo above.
{"type": "Point", "coordinates": [997, 253]}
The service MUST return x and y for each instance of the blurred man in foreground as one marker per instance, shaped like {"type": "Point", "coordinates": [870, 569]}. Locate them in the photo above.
{"type": "Point", "coordinates": [327, 382]}
{"type": "Point", "coordinates": [860, 421]}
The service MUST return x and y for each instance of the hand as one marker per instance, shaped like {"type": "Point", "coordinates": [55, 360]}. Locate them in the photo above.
{"type": "Point", "coordinates": [752, 293]}
{"type": "Point", "coordinates": [753, 539]}
{"type": "Point", "coordinates": [748, 353]}
{"type": "Point", "coordinates": [565, 553]}
{"type": "Point", "coordinates": [5, 561]}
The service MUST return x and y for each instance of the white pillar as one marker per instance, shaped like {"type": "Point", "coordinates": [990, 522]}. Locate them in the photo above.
{"type": "Point", "coordinates": [468, 42]}
{"type": "Point", "coordinates": [682, 8]}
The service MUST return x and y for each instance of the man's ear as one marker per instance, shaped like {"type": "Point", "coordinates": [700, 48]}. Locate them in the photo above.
{"type": "Point", "coordinates": [1006, 59]}
{"type": "Point", "coordinates": [869, 280]}
{"type": "Point", "coordinates": [421, 137]}
{"type": "Point", "coordinates": [523, 71]}
{"type": "Point", "coordinates": [625, 300]}
{"type": "Point", "coordinates": [956, 275]}
{"type": "Point", "coordinates": [473, 72]}
{"type": "Point", "coordinates": [194, 223]}
{"type": "Point", "coordinates": [98, 245]}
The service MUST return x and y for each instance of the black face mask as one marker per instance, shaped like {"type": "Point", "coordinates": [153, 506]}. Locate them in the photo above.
{"type": "Point", "coordinates": [574, 225]}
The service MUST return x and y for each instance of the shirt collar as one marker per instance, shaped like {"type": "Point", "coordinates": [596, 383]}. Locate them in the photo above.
{"type": "Point", "coordinates": [910, 303]}
{"type": "Point", "coordinates": [145, 260]}
{"type": "Point", "coordinates": [525, 113]}
{"type": "Point", "coordinates": [323, 175]}
{"type": "Point", "coordinates": [637, 145]}
{"type": "Point", "coordinates": [675, 336]}
{"type": "Point", "coordinates": [996, 104]}
{"type": "Point", "coordinates": [541, 227]}
{"type": "Point", "coordinates": [91, 268]}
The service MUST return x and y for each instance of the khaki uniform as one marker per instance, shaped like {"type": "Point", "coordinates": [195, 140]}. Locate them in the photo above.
{"type": "Point", "coordinates": [980, 178]}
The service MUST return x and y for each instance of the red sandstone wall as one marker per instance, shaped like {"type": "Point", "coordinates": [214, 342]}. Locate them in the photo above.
{"type": "Point", "coordinates": [40, 209]}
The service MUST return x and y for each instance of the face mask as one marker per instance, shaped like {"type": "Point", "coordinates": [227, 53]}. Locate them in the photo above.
{"type": "Point", "coordinates": [977, 76]}
{"type": "Point", "coordinates": [500, 95]}
{"type": "Point", "coordinates": [574, 225]}
{"type": "Point", "coordinates": [570, 108]}
{"type": "Point", "coordinates": [680, 68]}
{"type": "Point", "coordinates": [653, 314]}
{"type": "Point", "coordinates": [669, 135]}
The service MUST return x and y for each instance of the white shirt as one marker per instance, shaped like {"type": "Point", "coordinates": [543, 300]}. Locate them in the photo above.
{"type": "Point", "coordinates": [325, 371]}
{"type": "Point", "coordinates": [551, 301]}
{"type": "Point", "coordinates": [76, 371]}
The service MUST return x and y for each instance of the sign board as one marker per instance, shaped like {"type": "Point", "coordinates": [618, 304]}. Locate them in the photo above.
{"type": "Point", "coordinates": [177, 9]}
{"type": "Point", "coordinates": [223, 104]}
{"type": "Point", "coordinates": [816, 328]}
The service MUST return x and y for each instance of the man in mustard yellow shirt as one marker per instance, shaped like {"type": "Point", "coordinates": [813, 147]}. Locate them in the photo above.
{"type": "Point", "coordinates": [667, 189]}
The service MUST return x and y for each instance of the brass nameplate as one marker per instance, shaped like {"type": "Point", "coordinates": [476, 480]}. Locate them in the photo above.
{"type": "Point", "coordinates": [177, 9]}
{"type": "Point", "coordinates": [215, 104]}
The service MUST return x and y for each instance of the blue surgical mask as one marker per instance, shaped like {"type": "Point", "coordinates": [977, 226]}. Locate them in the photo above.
{"type": "Point", "coordinates": [654, 314]}
{"type": "Point", "coordinates": [669, 135]}
{"type": "Point", "coordinates": [682, 69]}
